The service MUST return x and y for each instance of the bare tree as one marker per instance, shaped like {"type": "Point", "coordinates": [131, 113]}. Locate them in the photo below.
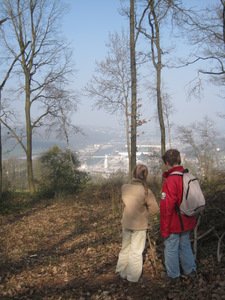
{"type": "Point", "coordinates": [201, 137]}
{"type": "Point", "coordinates": [1, 88]}
{"type": "Point", "coordinates": [131, 14]}
{"type": "Point", "coordinates": [111, 84]}
{"type": "Point", "coordinates": [45, 60]}
{"type": "Point", "coordinates": [157, 18]}
{"type": "Point", "coordinates": [168, 110]}
{"type": "Point", "coordinates": [59, 119]}
{"type": "Point", "coordinates": [154, 13]}
{"type": "Point", "coordinates": [205, 30]}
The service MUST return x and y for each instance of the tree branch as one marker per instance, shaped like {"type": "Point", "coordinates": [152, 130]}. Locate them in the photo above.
{"type": "Point", "coordinates": [2, 21]}
{"type": "Point", "coordinates": [15, 135]}
{"type": "Point", "coordinates": [11, 67]}
{"type": "Point", "coordinates": [218, 248]}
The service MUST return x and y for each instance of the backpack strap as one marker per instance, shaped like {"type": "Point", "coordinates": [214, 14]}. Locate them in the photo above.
{"type": "Point", "coordinates": [179, 173]}
{"type": "Point", "coordinates": [177, 209]}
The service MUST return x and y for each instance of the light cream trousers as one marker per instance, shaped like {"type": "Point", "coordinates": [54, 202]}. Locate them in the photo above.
{"type": "Point", "coordinates": [130, 261]}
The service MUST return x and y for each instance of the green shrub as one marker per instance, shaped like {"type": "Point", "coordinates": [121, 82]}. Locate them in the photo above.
{"type": "Point", "coordinates": [60, 174]}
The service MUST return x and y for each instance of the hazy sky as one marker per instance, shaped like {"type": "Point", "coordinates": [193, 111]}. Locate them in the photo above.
{"type": "Point", "coordinates": [88, 25]}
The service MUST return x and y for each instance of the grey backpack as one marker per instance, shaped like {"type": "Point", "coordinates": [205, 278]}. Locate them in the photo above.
{"type": "Point", "coordinates": [193, 200]}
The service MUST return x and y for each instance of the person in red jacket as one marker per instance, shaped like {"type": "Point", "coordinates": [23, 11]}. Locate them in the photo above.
{"type": "Point", "coordinates": [177, 241]}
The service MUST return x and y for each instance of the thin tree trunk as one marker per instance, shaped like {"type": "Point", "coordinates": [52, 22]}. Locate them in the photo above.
{"type": "Point", "coordinates": [168, 125]}
{"type": "Point", "coordinates": [29, 139]}
{"type": "Point", "coordinates": [223, 3]}
{"type": "Point", "coordinates": [133, 88]}
{"type": "Point", "coordinates": [160, 112]}
{"type": "Point", "coordinates": [0, 144]}
{"type": "Point", "coordinates": [128, 143]}
{"type": "Point", "coordinates": [158, 67]}
{"type": "Point", "coordinates": [66, 135]}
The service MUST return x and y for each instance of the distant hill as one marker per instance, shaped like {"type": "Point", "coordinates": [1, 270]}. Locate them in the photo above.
{"type": "Point", "coordinates": [91, 135]}
{"type": "Point", "coordinates": [41, 142]}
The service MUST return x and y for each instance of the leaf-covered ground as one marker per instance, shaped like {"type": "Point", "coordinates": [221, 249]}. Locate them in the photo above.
{"type": "Point", "coordinates": [69, 250]}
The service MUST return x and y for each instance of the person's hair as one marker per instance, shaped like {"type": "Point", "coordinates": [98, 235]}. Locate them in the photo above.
{"type": "Point", "coordinates": [141, 172]}
{"type": "Point", "coordinates": [172, 157]}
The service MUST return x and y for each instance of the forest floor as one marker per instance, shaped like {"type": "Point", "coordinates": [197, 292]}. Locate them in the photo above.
{"type": "Point", "coordinates": [69, 249]}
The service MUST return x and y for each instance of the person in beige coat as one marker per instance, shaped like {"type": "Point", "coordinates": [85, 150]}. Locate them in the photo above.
{"type": "Point", "coordinates": [140, 204]}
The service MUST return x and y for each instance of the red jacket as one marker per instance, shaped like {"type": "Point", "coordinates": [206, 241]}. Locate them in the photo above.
{"type": "Point", "coordinates": [171, 195]}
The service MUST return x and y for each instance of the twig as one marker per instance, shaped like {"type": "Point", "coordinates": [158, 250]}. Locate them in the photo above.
{"type": "Point", "coordinates": [152, 252]}
{"type": "Point", "coordinates": [218, 248]}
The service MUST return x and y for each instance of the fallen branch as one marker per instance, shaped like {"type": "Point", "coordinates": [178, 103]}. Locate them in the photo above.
{"type": "Point", "coordinates": [204, 234]}
{"type": "Point", "coordinates": [196, 237]}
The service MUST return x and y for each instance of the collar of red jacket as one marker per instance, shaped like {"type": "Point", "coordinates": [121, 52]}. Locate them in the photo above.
{"type": "Point", "coordinates": [175, 168]}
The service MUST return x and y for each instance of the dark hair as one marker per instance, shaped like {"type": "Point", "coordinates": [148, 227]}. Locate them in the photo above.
{"type": "Point", "coordinates": [141, 172]}
{"type": "Point", "coordinates": [172, 157]}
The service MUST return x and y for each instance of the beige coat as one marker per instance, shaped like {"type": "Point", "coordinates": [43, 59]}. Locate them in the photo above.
{"type": "Point", "coordinates": [137, 212]}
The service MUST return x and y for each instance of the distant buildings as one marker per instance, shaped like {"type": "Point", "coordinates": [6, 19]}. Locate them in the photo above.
{"type": "Point", "coordinates": [109, 158]}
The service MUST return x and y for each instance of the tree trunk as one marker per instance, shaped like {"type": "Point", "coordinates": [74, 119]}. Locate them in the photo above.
{"type": "Point", "coordinates": [0, 144]}
{"type": "Point", "coordinates": [133, 88]}
{"type": "Point", "coordinates": [158, 67]}
{"type": "Point", "coordinates": [168, 125]}
{"type": "Point", "coordinates": [223, 3]}
{"type": "Point", "coordinates": [160, 111]}
{"type": "Point", "coordinates": [30, 175]}
{"type": "Point", "coordinates": [128, 142]}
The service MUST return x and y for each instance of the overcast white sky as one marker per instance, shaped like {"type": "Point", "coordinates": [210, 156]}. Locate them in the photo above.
{"type": "Point", "coordinates": [87, 26]}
